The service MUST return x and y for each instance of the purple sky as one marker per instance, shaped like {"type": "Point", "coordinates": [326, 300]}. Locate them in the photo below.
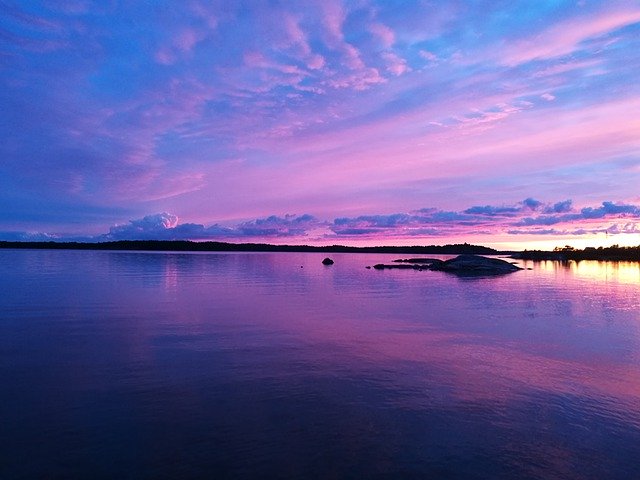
{"type": "Point", "coordinates": [508, 123]}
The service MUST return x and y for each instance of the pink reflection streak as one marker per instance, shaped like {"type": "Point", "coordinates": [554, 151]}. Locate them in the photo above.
{"type": "Point", "coordinates": [370, 337]}
{"type": "Point", "coordinates": [482, 371]}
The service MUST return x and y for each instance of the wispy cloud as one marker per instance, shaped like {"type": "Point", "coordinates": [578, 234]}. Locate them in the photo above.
{"type": "Point", "coordinates": [383, 33]}
{"type": "Point", "coordinates": [568, 36]}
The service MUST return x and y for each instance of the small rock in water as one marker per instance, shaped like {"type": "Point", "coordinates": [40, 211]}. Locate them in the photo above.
{"type": "Point", "coordinates": [327, 261]}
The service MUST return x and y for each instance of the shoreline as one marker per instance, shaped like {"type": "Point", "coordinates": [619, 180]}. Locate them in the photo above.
{"type": "Point", "coordinates": [608, 254]}
{"type": "Point", "coordinates": [189, 246]}
{"type": "Point", "coordinates": [614, 253]}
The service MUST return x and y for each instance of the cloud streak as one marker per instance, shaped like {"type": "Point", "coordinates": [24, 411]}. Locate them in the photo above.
{"type": "Point", "coordinates": [569, 37]}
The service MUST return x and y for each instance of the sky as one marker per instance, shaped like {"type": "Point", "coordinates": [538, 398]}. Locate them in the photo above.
{"type": "Point", "coordinates": [507, 123]}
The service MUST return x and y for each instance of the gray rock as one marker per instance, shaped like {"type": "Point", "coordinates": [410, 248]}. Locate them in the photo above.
{"type": "Point", "coordinates": [382, 266]}
{"type": "Point", "coordinates": [421, 261]}
{"type": "Point", "coordinates": [463, 265]}
{"type": "Point", "coordinates": [475, 265]}
{"type": "Point", "coordinates": [327, 261]}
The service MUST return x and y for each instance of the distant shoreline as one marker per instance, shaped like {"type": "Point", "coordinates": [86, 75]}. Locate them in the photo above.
{"type": "Point", "coordinates": [614, 253]}
{"type": "Point", "coordinates": [188, 246]}
{"type": "Point", "coordinates": [611, 254]}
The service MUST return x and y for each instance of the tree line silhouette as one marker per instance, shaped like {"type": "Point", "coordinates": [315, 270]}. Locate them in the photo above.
{"type": "Point", "coordinates": [189, 246]}
{"type": "Point", "coordinates": [612, 253]}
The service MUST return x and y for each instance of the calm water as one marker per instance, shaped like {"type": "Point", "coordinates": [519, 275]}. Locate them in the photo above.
{"type": "Point", "coordinates": [165, 365]}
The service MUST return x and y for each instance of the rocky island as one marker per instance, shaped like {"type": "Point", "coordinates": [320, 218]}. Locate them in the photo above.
{"type": "Point", "coordinates": [460, 265]}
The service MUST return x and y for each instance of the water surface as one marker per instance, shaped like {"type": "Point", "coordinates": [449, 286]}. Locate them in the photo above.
{"type": "Point", "coordinates": [271, 365]}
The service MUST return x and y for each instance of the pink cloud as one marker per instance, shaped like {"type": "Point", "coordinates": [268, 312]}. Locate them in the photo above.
{"type": "Point", "coordinates": [205, 13]}
{"type": "Point", "coordinates": [479, 120]}
{"type": "Point", "coordinates": [333, 19]}
{"type": "Point", "coordinates": [562, 39]}
{"type": "Point", "coordinates": [383, 33]}
{"type": "Point", "coordinates": [371, 158]}
{"type": "Point", "coordinates": [162, 186]}
{"type": "Point", "coordinates": [132, 130]}
{"type": "Point", "coordinates": [254, 59]}
{"type": "Point", "coordinates": [315, 62]}
{"type": "Point", "coordinates": [360, 80]}
{"type": "Point", "coordinates": [567, 67]}
{"type": "Point", "coordinates": [305, 109]}
{"type": "Point", "coordinates": [298, 40]}
{"type": "Point", "coordinates": [258, 60]}
{"type": "Point", "coordinates": [395, 64]}
{"type": "Point", "coordinates": [352, 57]}
{"type": "Point", "coordinates": [626, 228]}
{"type": "Point", "coordinates": [430, 56]}
{"type": "Point", "coordinates": [165, 226]}
{"type": "Point", "coordinates": [180, 44]}
{"type": "Point", "coordinates": [295, 33]}
{"type": "Point", "coordinates": [574, 135]}
{"type": "Point", "coordinates": [187, 39]}
{"type": "Point", "coordinates": [164, 56]}
{"type": "Point", "coordinates": [427, 223]}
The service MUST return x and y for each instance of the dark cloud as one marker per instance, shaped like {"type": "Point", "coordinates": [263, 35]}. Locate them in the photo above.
{"type": "Point", "coordinates": [542, 220]}
{"type": "Point", "coordinates": [505, 210]}
{"type": "Point", "coordinates": [158, 226]}
{"type": "Point", "coordinates": [488, 219]}
{"type": "Point", "coordinates": [491, 210]}
{"type": "Point", "coordinates": [610, 208]}
{"type": "Point", "coordinates": [396, 223]}
{"type": "Point", "coordinates": [554, 231]}
{"type": "Point", "coordinates": [630, 227]}
{"type": "Point", "coordinates": [274, 226]}
{"type": "Point", "coordinates": [424, 222]}
{"type": "Point", "coordinates": [614, 229]}
{"type": "Point", "coordinates": [536, 231]}
{"type": "Point", "coordinates": [379, 221]}
{"type": "Point", "coordinates": [442, 216]}
{"type": "Point", "coordinates": [355, 231]}
{"type": "Point", "coordinates": [552, 219]}
{"type": "Point", "coordinates": [531, 203]}
{"type": "Point", "coordinates": [165, 226]}
{"type": "Point", "coordinates": [431, 221]}
{"type": "Point", "coordinates": [559, 207]}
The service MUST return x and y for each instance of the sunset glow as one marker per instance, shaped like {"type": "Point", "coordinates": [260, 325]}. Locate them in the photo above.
{"type": "Point", "coordinates": [514, 125]}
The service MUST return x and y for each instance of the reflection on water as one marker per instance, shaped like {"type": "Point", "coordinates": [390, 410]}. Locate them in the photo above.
{"type": "Point", "coordinates": [174, 365]}
{"type": "Point", "coordinates": [618, 272]}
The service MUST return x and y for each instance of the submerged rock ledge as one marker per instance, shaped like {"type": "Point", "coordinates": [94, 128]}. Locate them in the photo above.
{"type": "Point", "coordinates": [460, 265]}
